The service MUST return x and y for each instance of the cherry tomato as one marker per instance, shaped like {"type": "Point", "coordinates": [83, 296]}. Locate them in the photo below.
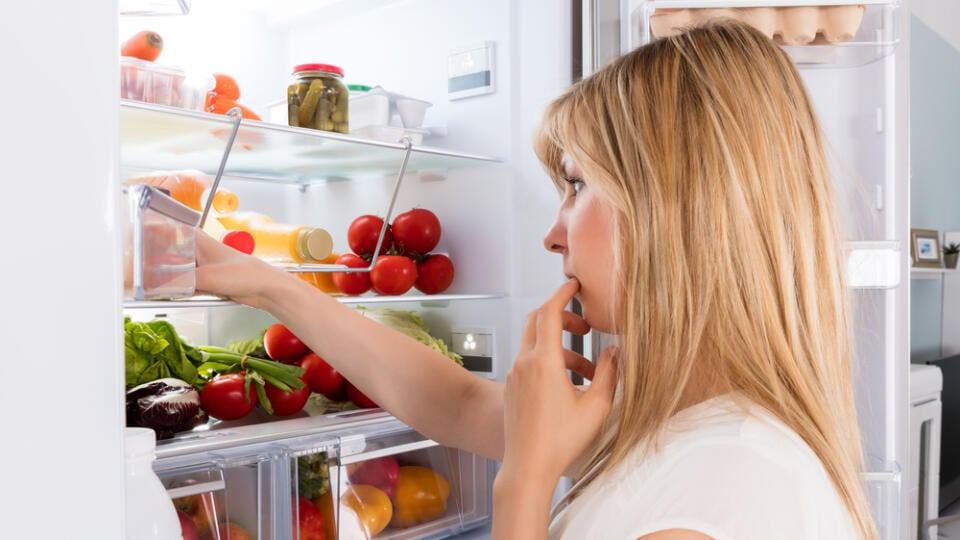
{"type": "Point", "coordinates": [363, 233]}
{"type": "Point", "coordinates": [393, 274]}
{"type": "Point", "coordinates": [224, 397]}
{"type": "Point", "coordinates": [359, 398]}
{"type": "Point", "coordinates": [434, 274]}
{"type": "Point", "coordinates": [286, 403]}
{"type": "Point", "coordinates": [281, 345]}
{"type": "Point", "coordinates": [321, 377]}
{"type": "Point", "coordinates": [416, 232]}
{"type": "Point", "coordinates": [352, 283]}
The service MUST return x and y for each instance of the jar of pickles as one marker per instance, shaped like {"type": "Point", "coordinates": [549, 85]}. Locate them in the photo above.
{"type": "Point", "coordinates": [317, 98]}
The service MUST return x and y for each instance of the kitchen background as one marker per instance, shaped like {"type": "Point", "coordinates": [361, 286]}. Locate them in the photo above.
{"type": "Point", "coordinates": [934, 160]}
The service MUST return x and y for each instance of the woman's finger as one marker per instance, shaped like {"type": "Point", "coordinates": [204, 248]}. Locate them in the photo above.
{"type": "Point", "coordinates": [578, 364]}
{"type": "Point", "coordinates": [604, 384]}
{"type": "Point", "coordinates": [549, 329]}
{"type": "Point", "coordinates": [575, 324]}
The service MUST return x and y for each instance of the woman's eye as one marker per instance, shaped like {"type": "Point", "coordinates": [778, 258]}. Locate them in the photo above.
{"type": "Point", "coordinates": [576, 184]}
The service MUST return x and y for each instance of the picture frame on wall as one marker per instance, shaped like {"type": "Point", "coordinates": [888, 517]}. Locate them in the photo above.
{"type": "Point", "coordinates": [925, 248]}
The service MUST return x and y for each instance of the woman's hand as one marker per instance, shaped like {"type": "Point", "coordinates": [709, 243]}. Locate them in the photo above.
{"type": "Point", "coordinates": [548, 422]}
{"type": "Point", "coordinates": [226, 272]}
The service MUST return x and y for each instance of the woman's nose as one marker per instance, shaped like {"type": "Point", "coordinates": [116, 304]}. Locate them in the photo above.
{"type": "Point", "coordinates": [554, 240]}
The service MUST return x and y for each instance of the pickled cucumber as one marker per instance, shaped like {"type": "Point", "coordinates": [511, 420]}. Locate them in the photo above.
{"type": "Point", "coordinates": [321, 104]}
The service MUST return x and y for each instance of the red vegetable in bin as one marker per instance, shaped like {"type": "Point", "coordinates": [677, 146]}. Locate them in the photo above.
{"type": "Point", "coordinates": [381, 473]}
{"type": "Point", "coordinates": [308, 521]}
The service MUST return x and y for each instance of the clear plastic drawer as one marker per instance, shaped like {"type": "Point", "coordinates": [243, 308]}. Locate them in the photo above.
{"type": "Point", "coordinates": [390, 486]}
{"type": "Point", "coordinates": [159, 245]}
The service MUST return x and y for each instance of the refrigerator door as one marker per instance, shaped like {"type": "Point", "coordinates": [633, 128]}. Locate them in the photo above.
{"type": "Point", "coordinates": [858, 83]}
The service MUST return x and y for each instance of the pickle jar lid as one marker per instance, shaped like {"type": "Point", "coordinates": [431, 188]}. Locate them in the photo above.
{"type": "Point", "coordinates": [319, 67]}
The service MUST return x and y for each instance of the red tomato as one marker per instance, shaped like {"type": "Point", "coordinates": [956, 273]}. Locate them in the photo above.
{"type": "Point", "coordinates": [352, 283]}
{"type": "Point", "coordinates": [416, 232]}
{"type": "Point", "coordinates": [286, 403]}
{"type": "Point", "coordinates": [381, 473]}
{"type": "Point", "coordinates": [224, 397]}
{"type": "Point", "coordinates": [359, 398]}
{"type": "Point", "coordinates": [393, 274]}
{"type": "Point", "coordinates": [434, 274]}
{"type": "Point", "coordinates": [363, 233]}
{"type": "Point", "coordinates": [321, 377]}
{"type": "Point", "coordinates": [308, 521]}
{"type": "Point", "coordinates": [187, 528]}
{"type": "Point", "coordinates": [281, 345]}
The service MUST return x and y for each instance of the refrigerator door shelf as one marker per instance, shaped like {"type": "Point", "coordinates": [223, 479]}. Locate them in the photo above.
{"type": "Point", "coordinates": [824, 34]}
{"type": "Point", "coordinates": [158, 137]}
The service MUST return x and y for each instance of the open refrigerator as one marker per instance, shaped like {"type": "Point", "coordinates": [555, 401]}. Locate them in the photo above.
{"type": "Point", "coordinates": [854, 59]}
{"type": "Point", "coordinates": [472, 164]}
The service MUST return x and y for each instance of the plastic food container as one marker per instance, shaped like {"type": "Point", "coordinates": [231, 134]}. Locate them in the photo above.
{"type": "Point", "coordinates": [794, 25]}
{"type": "Point", "coordinates": [369, 108]}
{"type": "Point", "coordinates": [162, 85]}
{"type": "Point", "coordinates": [159, 246]}
{"type": "Point", "coordinates": [317, 98]}
{"type": "Point", "coordinates": [412, 111]}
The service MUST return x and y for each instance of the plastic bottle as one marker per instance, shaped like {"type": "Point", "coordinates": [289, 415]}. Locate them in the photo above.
{"type": "Point", "coordinates": [150, 514]}
{"type": "Point", "coordinates": [237, 239]}
{"type": "Point", "coordinates": [281, 241]}
{"type": "Point", "coordinates": [186, 186]}
{"type": "Point", "coordinates": [224, 200]}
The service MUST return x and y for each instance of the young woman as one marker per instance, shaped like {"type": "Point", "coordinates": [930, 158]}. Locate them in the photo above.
{"type": "Point", "coordinates": [695, 166]}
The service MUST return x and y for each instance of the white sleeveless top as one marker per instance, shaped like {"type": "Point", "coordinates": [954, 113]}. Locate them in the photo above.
{"type": "Point", "coordinates": [728, 470]}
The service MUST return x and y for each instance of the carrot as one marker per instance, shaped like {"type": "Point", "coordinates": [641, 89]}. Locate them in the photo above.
{"type": "Point", "coordinates": [221, 105]}
{"type": "Point", "coordinates": [226, 86]}
{"type": "Point", "coordinates": [145, 45]}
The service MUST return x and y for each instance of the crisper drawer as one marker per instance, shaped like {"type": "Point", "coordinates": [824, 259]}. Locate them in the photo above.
{"type": "Point", "coordinates": [225, 496]}
{"type": "Point", "coordinates": [389, 485]}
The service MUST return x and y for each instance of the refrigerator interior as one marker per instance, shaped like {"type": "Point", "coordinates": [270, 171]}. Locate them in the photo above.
{"type": "Point", "coordinates": [494, 210]}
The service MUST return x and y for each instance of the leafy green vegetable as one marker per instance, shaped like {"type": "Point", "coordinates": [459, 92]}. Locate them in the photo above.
{"type": "Point", "coordinates": [252, 347]}
{"type": "Point", "coordinates": [153, 350]}
{"type": "Point", "coordinates": [410, 324]}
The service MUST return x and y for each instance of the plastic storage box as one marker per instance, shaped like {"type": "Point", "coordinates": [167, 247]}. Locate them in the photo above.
{"type": "Point", "coordinates": [159, 246]}
{"type": "Point", "coordinates": [162, 85]}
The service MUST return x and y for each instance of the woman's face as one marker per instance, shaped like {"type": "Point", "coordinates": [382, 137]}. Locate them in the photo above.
{"type": "Point", "coordinates": [583, 234]}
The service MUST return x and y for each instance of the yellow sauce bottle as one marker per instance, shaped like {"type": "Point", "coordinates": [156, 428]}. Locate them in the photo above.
{"type": "Point", "coordinates": [281, 242]}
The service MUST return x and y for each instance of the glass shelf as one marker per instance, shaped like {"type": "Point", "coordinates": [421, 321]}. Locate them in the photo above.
{"type": "Point", "coordinates": [159, 137]}
{"type": "Point", "coordinates": [876, 35]}
{"type": "Point", "coordinates": [154, 7]}
{"type": "Point", "coordinates": [212, 301]}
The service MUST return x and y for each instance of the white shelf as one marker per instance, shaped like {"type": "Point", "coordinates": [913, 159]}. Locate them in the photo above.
{"type": "Point", "coordinates": [877, 35]}
{"type": "Point", "coordinates": [682, 4]}
{"type": "Point", "coordinates": [930, 273]}
{"type": "Point", "coordinates": [212, 301]}
{"type": "Point", "coordinates": [160, 137]}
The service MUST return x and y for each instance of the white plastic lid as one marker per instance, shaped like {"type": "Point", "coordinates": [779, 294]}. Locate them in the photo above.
{"type": "Point", "coordinates": [140, 441]}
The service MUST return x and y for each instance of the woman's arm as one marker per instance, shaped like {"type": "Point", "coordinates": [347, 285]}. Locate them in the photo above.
{"type": "Point", "coordinates": [421, 387]}
{"type": "Point", "coordinates": [548, 422]}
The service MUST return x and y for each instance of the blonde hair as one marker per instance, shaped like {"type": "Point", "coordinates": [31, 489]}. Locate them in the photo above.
{"type": "Point", "coordinates": [707, 147]}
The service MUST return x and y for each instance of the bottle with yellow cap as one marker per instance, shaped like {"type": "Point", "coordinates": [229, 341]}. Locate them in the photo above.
{"type": "Point", "coordinates": [282, 242]}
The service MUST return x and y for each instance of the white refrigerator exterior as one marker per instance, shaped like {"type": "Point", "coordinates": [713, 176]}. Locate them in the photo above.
{"type": "Point", "coordinates": [863, 109]}
{"type": "Point", "coordinates": [62, 406]}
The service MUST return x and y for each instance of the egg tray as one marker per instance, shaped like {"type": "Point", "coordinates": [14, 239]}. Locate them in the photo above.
{"type": "Point", "coordinates": [797, 25]}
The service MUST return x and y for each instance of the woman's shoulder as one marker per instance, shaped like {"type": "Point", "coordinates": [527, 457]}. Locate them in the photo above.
{"type": "Point", "coordinates": [724, 468]}
{"type": "Point", "coordinates": [734, 424]}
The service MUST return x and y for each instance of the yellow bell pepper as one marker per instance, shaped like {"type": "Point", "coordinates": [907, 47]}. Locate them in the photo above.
{"type": "Point", "coordinates": [372, 506]}
{"type": "Point", "coordinates": [420, 496]}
